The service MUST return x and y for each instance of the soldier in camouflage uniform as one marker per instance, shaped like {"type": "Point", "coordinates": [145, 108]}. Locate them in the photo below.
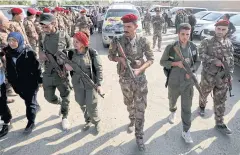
{"type": "Point", "coordinates": [37, 24]}
{"type": "Point", "coordinates": [180, 83]}
{"type": "Point", "coordinates": [135, 94]}
{"type": "Point", "coordinates": [179, 19]}
{"type": "Point", "coordinates": [83, 22]}
{"type": "Point", "coordinates": [16, 24]}
{"type": "Point", "coordinates": [213, 53]}
{"type": "Point", "coordinates": [147, 21]}
{"type": "Point", "coordinates": [30, 28]}
{"type": "Point", "coordinates": [158, 22]}
{"type": "Point", "coordinates": [4, 32]}
{"type": "Point", "coordinates": [50, 42]}
{"type": "Point", "coordinates": [60, 21]}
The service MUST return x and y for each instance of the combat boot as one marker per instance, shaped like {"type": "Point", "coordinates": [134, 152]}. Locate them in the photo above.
{"type": "Point", "coordinates": [223, 129]}
{"type": "Point", "coordinates": [5, 129]}
{"type": "Point", "coordinates": [140, 143]}
{"type": "Point", "coordinates": [29, 128]}
{"type": "Point", "coordinates": [202, 111]}
{"type": "Point", "coordinates": [131, 127]}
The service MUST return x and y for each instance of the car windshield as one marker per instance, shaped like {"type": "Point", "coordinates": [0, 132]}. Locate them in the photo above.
{"type": "Point", "coordinates": [121, 12]}
{"type": "Point", "coordinates": [212, 16]}
{"type": "Point", "coordinates": [235, 20]}
{"type": "Point", "coordinates": [201, 14]}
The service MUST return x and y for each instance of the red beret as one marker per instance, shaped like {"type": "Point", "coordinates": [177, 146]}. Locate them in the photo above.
{"type": "Point", "coordinates": [83, 11]}
{"type": "Point", "coordinates": [67, 11]}
{"type": "Point", "coordinates": [222, 23]}
{"type": "Point", "coordinates": [39, 13]}
{"type": "Point", "coordinates": [46, 10]}
{"type": "Point", "coordinates": [57, 8]}
{"type": "Point", "coordinates": [32, 11]}
{"type": "Point", "coordinates": [82, 37]}
{"type": "Point", "coordinates": [16, 10]}
{"type": "Point", "coordinates": [129, 18]}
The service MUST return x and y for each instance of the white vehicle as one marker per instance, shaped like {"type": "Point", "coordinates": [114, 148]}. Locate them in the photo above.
{"type": "Point", "coordinates": [201, 14]}
{"type": "Point", "coordinates": [175, 9]}
{"type": "Point", "coordinates": [209, 19]}
{"type": "Point", "coordinates": [210, 29]}
{"type": "Point", "coordinates": [162, 8]}
{"type": "Point", "coordinates": [112, 24]}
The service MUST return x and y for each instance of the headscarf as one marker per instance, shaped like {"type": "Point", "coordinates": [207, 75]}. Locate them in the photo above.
{"type": "Point", "coordinates": [19, 37]}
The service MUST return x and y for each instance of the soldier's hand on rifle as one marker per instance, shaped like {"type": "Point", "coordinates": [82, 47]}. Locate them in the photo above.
{"type": "Point", "coordinates": [99, 89]}
{"type": "Point", "coordinates": [178, 64]}
{"type": "Point", "coordinates": [42, 56]}
{"type": "Point", "coordinates": [188, 76]}
{"type": "Point", "coordinates": [122, 61]}
{"type": "Point", "coordinates": [68, 67]}
{"type": "Point", "coordinates": [137, 71]}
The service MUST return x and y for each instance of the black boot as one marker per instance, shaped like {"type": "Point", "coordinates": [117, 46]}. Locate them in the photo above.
{"type": "Point", "coordinates": [5, 130]}
{"type": "Point", "coordinates": [29, 128]}
{"type": "Point", "coordinates": [223, 129]}
{"type": "Point", "coordinates": [202, 111]}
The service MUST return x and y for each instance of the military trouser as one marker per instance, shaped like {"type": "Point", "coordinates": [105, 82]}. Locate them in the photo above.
{"type": "Point", "coordinates": [5, 112]}
{"type": "Point", "coordinates": [165, 28]}
{"type": "Point", "coordinates": [135, 98]}
{"type": "Point", "coordinates": [88, 101]}
{"type": "Point", "coordinates": [147, 27]}
{"type": "Point", "coordinates": [186, 94]}
{"type": "Point", "coordinates": [208, 83]}
{"type": "Point", "coordinates": [157, 34]}
{"type": "Point", "coordinates": [50, 83]}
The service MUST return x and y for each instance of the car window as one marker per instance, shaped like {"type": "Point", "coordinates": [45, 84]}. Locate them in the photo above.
{"type": "Point", "coordinates": [120, 12]}
{"type": "Point", "coordinates": [198, 10]}
{"type": "Point", "coordinates": [235, 20]}
{"type": "Point", "coordinates": [212, 16]}
{"type": "Point", "coordinates": [200, 14]}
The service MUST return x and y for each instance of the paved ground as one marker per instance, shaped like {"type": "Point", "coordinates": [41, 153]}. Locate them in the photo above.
{"type": "Point", "coordinates": [161, 138]}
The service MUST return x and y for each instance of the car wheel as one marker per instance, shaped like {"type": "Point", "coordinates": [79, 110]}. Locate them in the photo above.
{"type": "Point", "coordinates": [105, 45]}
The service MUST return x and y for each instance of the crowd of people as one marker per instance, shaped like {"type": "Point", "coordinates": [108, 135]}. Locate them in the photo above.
{"type": "Point", "coordinates": [43, 39]}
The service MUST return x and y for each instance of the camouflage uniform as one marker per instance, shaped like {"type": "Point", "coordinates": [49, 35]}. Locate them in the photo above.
{"type": "Point", "coordinates": [38, 27]}
{"type": "Point", "coordinates": [135, 95]}
{"type": "Point", "coordinates": [83, 23]}
{"type": "Point", "coordinates": [212, 80]}
{"type": "Point", "coordinates": [16, 26]}
{"type": "Point", "coordinates": [147, 21]}
{"type": "Point", "coordinates": [60, 22]}
{"type": "Point", "coordinates": [31, 32]}
{"type": "Point", "coordinates": [158, 22]}
{"type": "Point", "coordinates": [66, 21]}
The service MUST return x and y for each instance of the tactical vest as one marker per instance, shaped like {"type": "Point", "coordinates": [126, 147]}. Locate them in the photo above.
{"type": "Point", "coordinates": [172, 56]}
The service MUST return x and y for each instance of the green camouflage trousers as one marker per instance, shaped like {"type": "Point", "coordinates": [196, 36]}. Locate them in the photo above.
{"type": "Point", "coordinates": [147, 27]}
{"type": "Point", "coordinates": [219, 87]}
{"type": "Point", "coordinates": [157, 34]}
{"type": "Point", "coordinates": [50, 83]}
{"type": "Point", "coordinates": [135, 98]}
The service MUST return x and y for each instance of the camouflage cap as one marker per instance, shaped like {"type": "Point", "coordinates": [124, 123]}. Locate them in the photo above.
{"type": "Point", "coordinates": [46, 18]}
{"type": "Point", "coordinates": [185, 26]}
